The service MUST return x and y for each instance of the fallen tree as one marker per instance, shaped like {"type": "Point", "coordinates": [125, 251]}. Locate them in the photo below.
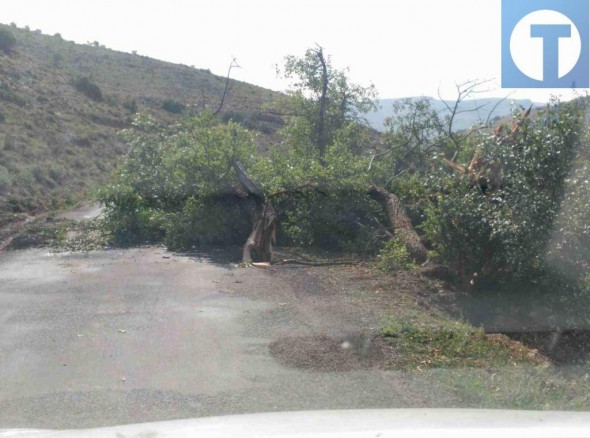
{"type": "Point", "coordinates": [258, 246]}
{"type": "Point", "coordinates": [400, 222]}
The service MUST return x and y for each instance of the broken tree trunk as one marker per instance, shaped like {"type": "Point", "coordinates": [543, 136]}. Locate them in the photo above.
{"type": "Point", "coordinates": [258, 247]}
{"type": "Point", "coordinates": [400, 222]}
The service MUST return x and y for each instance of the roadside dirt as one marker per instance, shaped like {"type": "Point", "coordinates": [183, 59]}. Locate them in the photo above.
{"type": "Point", "coordinates": [330, 354]}
{"type": "Point", "coordinates": [328, 318]}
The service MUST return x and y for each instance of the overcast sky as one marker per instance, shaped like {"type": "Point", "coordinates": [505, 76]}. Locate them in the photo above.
{"type": "Point", "coordinates": [406, 48]}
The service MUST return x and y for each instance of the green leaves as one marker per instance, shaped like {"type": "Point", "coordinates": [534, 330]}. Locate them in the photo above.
{"type": "Point", "coordinates": [171, 177]}
{"type": "Point", "coordinates": [503, 232]}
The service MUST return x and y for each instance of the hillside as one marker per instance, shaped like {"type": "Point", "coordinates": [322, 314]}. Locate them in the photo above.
{"type": "Point", "coordinates": [470, 112]}
{"type": "Point", "coordinates": [62, 104]}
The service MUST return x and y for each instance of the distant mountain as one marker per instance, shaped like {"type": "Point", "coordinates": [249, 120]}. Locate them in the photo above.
{"type": "Point", "coordinates": [470, 112]}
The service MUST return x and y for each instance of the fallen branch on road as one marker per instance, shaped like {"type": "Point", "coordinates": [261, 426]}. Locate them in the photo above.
{"type": "Point", "coordinates": [310, 263]}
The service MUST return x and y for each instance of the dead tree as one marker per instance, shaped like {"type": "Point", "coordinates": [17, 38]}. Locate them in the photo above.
{"type": "Point", "coordinates": [400, 222]}
{"type": "Point", "coordinates": [234, 64]}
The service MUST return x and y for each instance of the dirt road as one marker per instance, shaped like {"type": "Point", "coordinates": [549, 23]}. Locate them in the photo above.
{"type": "Point", "coordinates": [138, 335]}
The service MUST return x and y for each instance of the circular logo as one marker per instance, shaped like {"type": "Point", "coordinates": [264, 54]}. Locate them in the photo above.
{"type": "Point", "coordinates": [527, 52]}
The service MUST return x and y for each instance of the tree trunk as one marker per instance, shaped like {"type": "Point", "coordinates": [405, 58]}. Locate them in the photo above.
{"type": "Point", "coordinates": [258, 247]}
{"type": "Point", "coordinates": [400, 222]}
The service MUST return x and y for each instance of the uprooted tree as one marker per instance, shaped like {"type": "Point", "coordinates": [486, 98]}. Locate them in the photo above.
{"type": "Point", "coordinates": [485, 202]}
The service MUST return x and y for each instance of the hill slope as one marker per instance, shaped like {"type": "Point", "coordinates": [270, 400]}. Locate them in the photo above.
{"type": "Point", "coordinates": [62, 104]}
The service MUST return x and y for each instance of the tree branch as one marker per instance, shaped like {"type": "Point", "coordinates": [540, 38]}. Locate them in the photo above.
{"type": "Point", "coordinates": [234, 64]}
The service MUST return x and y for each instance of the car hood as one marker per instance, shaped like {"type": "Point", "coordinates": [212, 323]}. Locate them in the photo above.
{"type": "Point", "coordinates": [382, 423]}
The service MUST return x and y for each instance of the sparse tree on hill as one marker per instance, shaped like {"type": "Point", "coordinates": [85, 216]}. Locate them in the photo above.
{"type": "Point", "coordinates": [7, 41]}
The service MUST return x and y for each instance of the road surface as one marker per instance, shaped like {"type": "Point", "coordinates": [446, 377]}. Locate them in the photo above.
{"type": "Point", "coordinates": [126, 336]}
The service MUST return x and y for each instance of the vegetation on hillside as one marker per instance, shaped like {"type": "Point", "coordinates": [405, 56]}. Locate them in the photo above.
{"type": "Point", "coordinates": [62, 105]}
{"type": "Point", "coordinates": [7, 41]}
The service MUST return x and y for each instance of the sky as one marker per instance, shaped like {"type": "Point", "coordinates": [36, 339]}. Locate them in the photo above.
{"type": "Point", "coordinates": [406, 48]}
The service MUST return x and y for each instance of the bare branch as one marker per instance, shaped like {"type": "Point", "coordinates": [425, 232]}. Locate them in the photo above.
{"type": "Point", "coordinates": [234, 64]}
{"type": "Point", "coordinates": [464, 90]}
{"type": "Point", "coordinates": [496, 107]}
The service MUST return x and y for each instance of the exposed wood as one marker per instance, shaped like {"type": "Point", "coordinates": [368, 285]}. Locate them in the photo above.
{"type": "Point", "coordinates": [400, 222]}
{"type": "Point", "coordinates": [308, 263]}
{"type": "Point", "coordinates": [251, 187]}
{"type": "Point", "coordinates": [258, 247]}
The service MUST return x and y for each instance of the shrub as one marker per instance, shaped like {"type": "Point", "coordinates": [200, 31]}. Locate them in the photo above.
{"type": "Point", "coordinates": [57, 173]}
{"type": "Point", "coordinates": [176, 184]}
{"type": "Point", "coordinates": [5, 180]}
{"type": "Point", "coordinates": [10, 96]}
{"type": "Point", "coordinates": [394, 256]}
{"type": "Point", "coordinates": [173, 106]}
{"type": "Point", "coordinates": [7, 41]}
{"type": "Point", "coordinates": [9, 143]}
{"type": "Point", "coordinates": [503, 234]}
{"type": "Point", "coordinates": [57, 59]}
{"type": "Point", "coordinates": [569, 249]}
{"type": "Point", "coordinates": [88, 88]}
{"type": "Point", "coordinates": [2, 118]}
{"type": "Point", "coordinates": [130, 105]}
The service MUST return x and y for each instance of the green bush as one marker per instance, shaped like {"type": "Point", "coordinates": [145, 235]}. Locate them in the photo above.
{"type": "Point", "coordinates": [88, 88]}
{"type": "Point", "coordinates": [569, 248]}
{"type": "Point", "coordinates": [10, 96]}
{"type": "Point", "coordinates": [503, 233]}
{"type": "Point", "coordinates": [57, 59]}
{"type": "Point", "coordinates": [9, 143]}
{"type": "Point", "coordinates": [130, 105]}
{"type": "Point", "coordinates": [7, 41]}
{"type": "Point", "coordinates": [176, 184]}
{"type": "Point", "coordinates": [394, 256]}
{"type": "Point", "coordinates": [173, 106]}
{"type": "Point", "coordinates": [5, 181]}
